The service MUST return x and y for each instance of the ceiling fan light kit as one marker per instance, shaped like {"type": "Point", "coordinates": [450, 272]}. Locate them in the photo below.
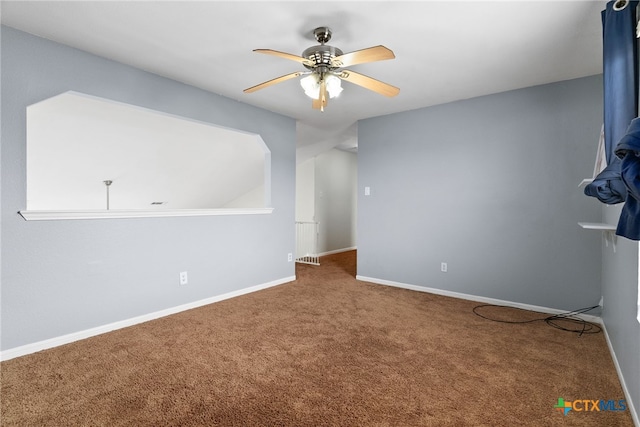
{"type": "Point", "coordinates": [325, 69]}
{"type": "Point", "coordinates": [311, 85]}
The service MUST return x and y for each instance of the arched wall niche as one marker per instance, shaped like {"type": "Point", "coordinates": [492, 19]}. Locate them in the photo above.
{"type": "Point", "coordinates": [89, 157]}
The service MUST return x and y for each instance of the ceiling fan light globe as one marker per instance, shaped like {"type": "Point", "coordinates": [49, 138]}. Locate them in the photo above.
{"type": "Point", "coordinates": [313, 94]}
{"type": "Point", "coordinates": [311, 86]}
{"type": "Point", "coordinates": [334, 86]}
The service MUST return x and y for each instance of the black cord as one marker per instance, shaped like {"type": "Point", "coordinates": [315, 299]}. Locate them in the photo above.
{"type": "Point", "coordinates": [569, 317]}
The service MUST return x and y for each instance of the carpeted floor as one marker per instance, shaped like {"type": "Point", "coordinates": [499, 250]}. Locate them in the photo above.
{"type": "Point", "coordinates": [325, 350]}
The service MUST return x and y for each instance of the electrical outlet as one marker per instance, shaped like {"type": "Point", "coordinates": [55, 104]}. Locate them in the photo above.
{"type": "Point", "coordinates": [184, 279]}
{"type": "Point", "coordinates": [289, 257]}
{"type": "Point", "coordinates": [601, 302]}
{"type": "Point", "coordinates": [443, 267]}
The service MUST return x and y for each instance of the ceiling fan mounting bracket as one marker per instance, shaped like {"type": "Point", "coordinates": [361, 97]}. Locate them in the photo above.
{"type": "Point", "coordinates": [322, 34]}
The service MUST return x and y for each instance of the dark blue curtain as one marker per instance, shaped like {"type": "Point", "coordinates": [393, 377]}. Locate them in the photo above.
{"type": "Point", "coordinates": [620, 70]}
{"type": "Point", "coordinates": [628, 150]}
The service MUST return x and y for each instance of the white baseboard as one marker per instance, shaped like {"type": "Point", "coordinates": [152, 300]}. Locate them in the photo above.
{"type": "Point", "coordinates": [87, 333]}
{"type": "Point", "coordinates": [338, 251]}
{"type": "Point", "coordinates": [632, 409]}
{"type": "Point", "coordinates": [547, 310]}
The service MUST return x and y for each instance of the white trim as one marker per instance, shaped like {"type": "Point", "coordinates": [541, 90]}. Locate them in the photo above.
{"type": "Point", "coordinates": [338, 251]}
{"type": "Point", "coordinates": [87, 333]}
{"type": "Point", "coordinates": [632, 409]}
{"type": "Point", "coordinates": [112, 214]}
{"type": "Point", "coordinates": [547, 310]}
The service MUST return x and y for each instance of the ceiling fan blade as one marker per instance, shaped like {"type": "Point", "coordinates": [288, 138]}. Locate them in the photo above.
{"type": "Point", "coordinates": [316, 104]}
{"type": "Point", "coordinates": [369, 83]}
{"type": "Point", "coordinates": [322, 100]}
{"type": "Point", "coordinates": [272, 82]}
{"type": "Point", "coordinates": [371, 54]}
{"type": "Point", "coordinates": [285, 55]}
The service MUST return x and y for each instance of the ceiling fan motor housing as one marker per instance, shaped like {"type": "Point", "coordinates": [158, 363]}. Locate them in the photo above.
{"type": "Point", "coordinates": [322, 54]}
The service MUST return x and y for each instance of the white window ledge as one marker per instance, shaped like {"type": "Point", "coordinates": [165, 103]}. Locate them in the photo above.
{"type": "Point", "coordinates": [112, 214]}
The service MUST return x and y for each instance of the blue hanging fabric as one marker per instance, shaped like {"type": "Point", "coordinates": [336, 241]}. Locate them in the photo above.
{"type": "Point", "coordinates": [620, 94]}
{"type": "Point", "coordinates": [628, 150]}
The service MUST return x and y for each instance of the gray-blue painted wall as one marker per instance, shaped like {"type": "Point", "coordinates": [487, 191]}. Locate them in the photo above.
{"type": "Point", "coordinates": [60, 277]}
{"type": "Point", "coordinates": [620, 311]}
{"type": "Point", "coordinates": [490, 186]}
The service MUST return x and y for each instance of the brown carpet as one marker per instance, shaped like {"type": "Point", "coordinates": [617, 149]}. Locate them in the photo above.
{"type": "Point", "coordinates": [325, 350]}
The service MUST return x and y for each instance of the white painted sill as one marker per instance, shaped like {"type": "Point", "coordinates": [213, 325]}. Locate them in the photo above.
{"type": "Point", "coordinates": [115, 214]}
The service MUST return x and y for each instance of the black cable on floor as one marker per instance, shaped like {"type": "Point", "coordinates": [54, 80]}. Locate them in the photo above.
{"type": "Point", "coordinates": [569, 316]}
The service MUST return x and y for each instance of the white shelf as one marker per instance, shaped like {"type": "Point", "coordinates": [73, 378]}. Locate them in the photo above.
{"type": "Point", "coordinates": [609, 231]}
{"type": "Point", "coordinates": [585, 182]}
{"type": "Point", "coordinates": [597, 226]}
{"type": "Point", "coordinates": [113, 214]}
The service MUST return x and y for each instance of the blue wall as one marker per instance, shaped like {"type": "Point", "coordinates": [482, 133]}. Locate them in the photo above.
{"type": "Point", "coordinates": [490, 186]}
{"type": "Point", "coordinates": [60, 277]}
{"type": "Point", "coordinates": [620, 311]}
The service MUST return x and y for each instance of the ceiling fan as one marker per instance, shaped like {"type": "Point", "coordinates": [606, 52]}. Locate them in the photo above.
{"type": "Point", "coordinates": [325, 69]}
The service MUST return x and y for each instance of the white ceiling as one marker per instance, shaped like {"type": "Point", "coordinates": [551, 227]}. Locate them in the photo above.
{"type": "Point", "coordinates": [445, 50]}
